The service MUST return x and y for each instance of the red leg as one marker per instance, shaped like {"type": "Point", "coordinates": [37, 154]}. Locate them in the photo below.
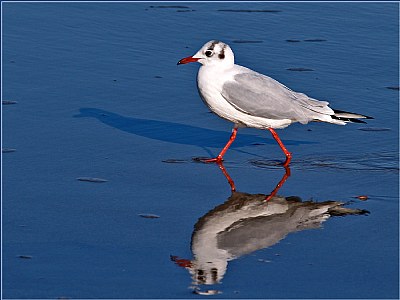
{"type": "Point", "coordinates": [185, 263]}
{"type": "Point", "coordinates": [220, 156]}
{"type": "Point", "coordinates": [287, 153]}
{"type": "Point", "coordinates": [279, 185]}
{"type": "Point", "coordinates": [230, 180]}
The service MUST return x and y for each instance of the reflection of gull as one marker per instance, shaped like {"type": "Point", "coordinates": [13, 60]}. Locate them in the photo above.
{"type": "Point", "coordinates": [249, 222]}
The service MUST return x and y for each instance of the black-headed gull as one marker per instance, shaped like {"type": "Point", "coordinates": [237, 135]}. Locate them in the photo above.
{"type": "Point", "coordinates": [251, 99]}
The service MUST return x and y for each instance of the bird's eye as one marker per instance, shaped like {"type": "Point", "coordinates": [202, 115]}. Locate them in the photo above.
{"type": "Point", "coordinates": [209, 53]}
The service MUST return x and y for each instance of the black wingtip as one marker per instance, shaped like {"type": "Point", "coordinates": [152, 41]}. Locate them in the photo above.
{"type": "Point", "coordinates": [348, 119]}
{"type": "Point", "coordinates": [337, 111]}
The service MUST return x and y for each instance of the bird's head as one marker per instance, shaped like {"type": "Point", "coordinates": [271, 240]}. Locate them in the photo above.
{"type": "Point", "coordinates": [212, 53]}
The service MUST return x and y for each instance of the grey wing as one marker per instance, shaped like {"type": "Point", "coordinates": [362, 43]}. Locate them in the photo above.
{"type": "Point", "coordinates": [262, 96]}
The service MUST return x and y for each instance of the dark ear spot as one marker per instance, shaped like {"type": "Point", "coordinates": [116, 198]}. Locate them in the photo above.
{"type": "Point", "coordinates": [222, 54]}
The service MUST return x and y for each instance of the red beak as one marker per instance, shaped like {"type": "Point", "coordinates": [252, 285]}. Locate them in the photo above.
{"type": "Point", "coordinates": [187, 60]}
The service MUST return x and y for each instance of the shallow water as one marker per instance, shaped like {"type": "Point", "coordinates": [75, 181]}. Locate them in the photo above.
{"type": "Point", "coordinates": [101, 194]}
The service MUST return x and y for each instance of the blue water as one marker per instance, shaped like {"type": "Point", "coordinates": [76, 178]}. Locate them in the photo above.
{"type": "Point", "coordinates": [98, 94]}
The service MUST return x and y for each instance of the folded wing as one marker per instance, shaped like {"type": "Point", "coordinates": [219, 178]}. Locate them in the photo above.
{"type": "Point", "coordinates": [259, 95]}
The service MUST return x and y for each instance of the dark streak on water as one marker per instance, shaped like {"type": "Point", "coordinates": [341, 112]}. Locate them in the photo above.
{"type": "Point", "coordinates": [168, 6]}
{"type": "Point", "coordinates": [251, 10]}
{"type": "Point", "coordinates": [174, 161]}
{"type": "Point", "coordinates": [315, 40]}
{"type": "Point", "coordinates": [374, 129]}
{"type": "Point", "coordinates": [92, 179]}
{"type": "Point", "coordinates": [306, 40]}
{"type": "Point", "coordinates": [25, 256]}
{"type": "Point", "coordinates": [300, 69]}
{"type": "Point", "coordinates": [149, 216]}
{"type": "Point", "coordinates": [8, 102]}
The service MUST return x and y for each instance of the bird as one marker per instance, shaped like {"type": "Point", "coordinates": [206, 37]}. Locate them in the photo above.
{"type": "Point", "coordinates": [250, 99]}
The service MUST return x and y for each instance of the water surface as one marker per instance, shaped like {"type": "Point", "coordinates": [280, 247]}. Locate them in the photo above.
{"type": "Point", "coordinates": [96, 94]}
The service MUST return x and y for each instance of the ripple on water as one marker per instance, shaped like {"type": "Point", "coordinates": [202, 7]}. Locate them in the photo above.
{"type": "Point", "coordinates": [175, 161]}
{"type": "Point", "coordinates": [377, 162]}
